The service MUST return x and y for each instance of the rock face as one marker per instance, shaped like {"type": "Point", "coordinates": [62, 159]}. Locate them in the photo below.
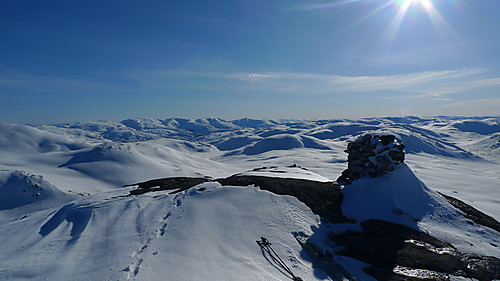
{"type": "Point", "coordinates": [395, 252]}
{"type": "Point", "coordinates": [372, 156]}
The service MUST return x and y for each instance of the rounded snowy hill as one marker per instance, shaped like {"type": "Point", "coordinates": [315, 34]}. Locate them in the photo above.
{"type": "Point", "coordinates": [23, 193]}
{"type": "Point", "coordinates": [29, 139]}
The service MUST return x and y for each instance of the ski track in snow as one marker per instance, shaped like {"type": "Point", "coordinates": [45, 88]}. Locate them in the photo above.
{"type": "Point", "coordinates": [174, 210]}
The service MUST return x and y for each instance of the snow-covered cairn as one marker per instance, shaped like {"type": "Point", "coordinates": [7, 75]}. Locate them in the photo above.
{"type": "Point", "coordinates": [372, 156]}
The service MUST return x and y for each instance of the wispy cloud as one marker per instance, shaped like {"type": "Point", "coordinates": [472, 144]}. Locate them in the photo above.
{"type": "Point", "coordinates": [437, 85]}
{"type": "Point", "coordinates": [491, 102]}
{"type": "Point", "coordinates": [247, 76]}
{"type": "Point", "coordinates": [428, 84]}
{"type": "Point", "coordinates": [421, 57]}
{"type": "Point", "coordinates": [330, 4]}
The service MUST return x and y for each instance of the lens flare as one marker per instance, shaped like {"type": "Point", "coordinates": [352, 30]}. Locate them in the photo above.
{"type": "Point", "coordinates": [426, 4]}
{"type": "Point", "coordinates": [403, 7]}
{"type": "Point", "coordinates": [422, 9]}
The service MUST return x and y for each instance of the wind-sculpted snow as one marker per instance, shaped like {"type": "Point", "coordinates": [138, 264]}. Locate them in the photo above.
{"type": "Point", "coordinates": [79, 218]}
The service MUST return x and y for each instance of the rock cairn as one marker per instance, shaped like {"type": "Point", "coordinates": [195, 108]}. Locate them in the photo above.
{"type": "Point", "coordinates": [372, 156]}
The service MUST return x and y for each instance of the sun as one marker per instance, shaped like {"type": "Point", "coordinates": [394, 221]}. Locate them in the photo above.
{"type": "Point", "coordinates": [422, 9]}
{"type": "Point", "coordinates": [426, 4]}
{"type": "Point", "coordinates": [402, 9]}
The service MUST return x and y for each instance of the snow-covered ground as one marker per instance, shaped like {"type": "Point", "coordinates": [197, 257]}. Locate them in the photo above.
{"type": "Point", "coordinates": [64, 214]}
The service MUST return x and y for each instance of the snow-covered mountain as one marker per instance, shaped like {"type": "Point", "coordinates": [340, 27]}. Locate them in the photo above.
{"type": "Point", "coordinates": [66, 215]}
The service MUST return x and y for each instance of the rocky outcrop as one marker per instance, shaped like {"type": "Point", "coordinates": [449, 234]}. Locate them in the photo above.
{"type": "Point", "coordinates": [396, 252]}
{"type": "Point", "coordinates": [392, 251]}
{"type": "Point", "coordinates": [176, 184]}
{"type": "Point", "coordinates": [323, 198]}
{"type": "Point", "coordinates": [372, 156]}
{"type": "Point", "coordinates": [472, 213]}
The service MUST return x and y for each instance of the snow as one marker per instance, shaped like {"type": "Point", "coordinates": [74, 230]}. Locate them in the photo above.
{"type": "Point", "coordinates": [397, 197]}
{"type": "Point", "coordinates": [189, 236]}
{"type": "Point", "coordinates": [23, 193]}
{"type": "Point", "coordinates": [73, 222]}
{"type": "Point", "coordinates": [290, 172]}
{"type": "Point", "coordinates": [400, 197]}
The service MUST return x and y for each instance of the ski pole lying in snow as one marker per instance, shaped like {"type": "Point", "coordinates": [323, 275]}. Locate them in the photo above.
{"type": "Point", "coordinates": [266, 246]}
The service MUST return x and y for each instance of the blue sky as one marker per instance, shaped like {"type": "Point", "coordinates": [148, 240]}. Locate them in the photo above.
{"type": "Point", "coordinates": [63, 61]}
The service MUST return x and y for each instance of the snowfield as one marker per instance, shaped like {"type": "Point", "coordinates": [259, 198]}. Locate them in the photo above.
{"type": "Point", "coordinates": [66, 215]}
{"type": "Point", "coordinates": [189, 236]}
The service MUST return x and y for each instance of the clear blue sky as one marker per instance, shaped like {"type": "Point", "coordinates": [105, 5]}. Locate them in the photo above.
{"type": "Point", "coordinates": [110, 60]}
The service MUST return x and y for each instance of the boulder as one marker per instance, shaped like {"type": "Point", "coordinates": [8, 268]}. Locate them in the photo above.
{"type": "Point", "coordinates": [372, 156]}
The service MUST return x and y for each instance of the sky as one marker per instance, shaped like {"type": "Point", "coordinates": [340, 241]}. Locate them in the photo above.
{"type": "Point", "coordinates": [67, 61]}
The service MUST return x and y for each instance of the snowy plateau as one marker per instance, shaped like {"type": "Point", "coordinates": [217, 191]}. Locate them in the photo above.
{"type": "Point", "coordinates": [181, 199]}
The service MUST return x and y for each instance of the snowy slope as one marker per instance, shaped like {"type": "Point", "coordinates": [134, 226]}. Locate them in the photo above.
{"type": "Point", "coordinates": [207, 235]}
{"type": "Point", "coordinates": [288, 172]}
{"type": "Point", "coordinates": [80, 227]}
{"type": "Point", "coordinates": [23, 193]}
{"type": "Point", "coordinates": [400, 197]}
{"type": "Point", "coordinates": [15, 138]}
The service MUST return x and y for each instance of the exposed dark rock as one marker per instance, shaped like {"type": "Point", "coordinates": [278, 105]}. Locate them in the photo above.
{"type": "Point", "coordinates": [372, 156]}
{"type": "Point", "coordinates": [472, 213]}
{"type": "Point", "coordinates": [177, 184]}
{"type": "Point", "coordinates": [323, 198]}
{"type": "Point", "coordinates": [388, 247]}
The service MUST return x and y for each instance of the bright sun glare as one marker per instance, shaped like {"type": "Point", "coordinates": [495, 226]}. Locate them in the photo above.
{"type": "Point", "coordinates": [426, 4]}
{"type": "Point", "coordinates": [403, 7]}
{"type": "Point", "coordinates": [401, 10]}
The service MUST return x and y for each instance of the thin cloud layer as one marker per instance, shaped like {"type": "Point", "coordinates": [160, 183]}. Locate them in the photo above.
{"type": "Point", "coordinates": [419, 84]}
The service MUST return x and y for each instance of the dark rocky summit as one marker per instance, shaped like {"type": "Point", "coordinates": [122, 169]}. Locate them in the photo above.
{"type": "Point", "coordinates": [372, 156]}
